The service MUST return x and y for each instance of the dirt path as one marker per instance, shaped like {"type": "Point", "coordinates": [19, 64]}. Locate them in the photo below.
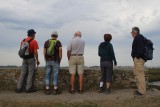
{"type": "Point", "coordinates": [120, 97]}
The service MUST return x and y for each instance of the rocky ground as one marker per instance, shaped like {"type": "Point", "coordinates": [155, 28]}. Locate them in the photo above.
{"type": "Point", "coordinates": [122, 78]}
{"type": "Point", "coordinates": [118, 98]}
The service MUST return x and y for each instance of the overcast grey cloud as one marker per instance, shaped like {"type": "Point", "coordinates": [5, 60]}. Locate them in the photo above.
{"type": "Point", "coordinates": [92, 17]}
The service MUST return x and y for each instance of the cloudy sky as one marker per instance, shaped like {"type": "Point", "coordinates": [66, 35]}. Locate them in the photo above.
{"type": "Point", "coordinates": [93, 18]}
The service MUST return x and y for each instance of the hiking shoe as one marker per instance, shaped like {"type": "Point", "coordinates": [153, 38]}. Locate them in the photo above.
{"type": "Point", "coordinates": [31, 91]}
{"type": "Point", "coordinates": [80, 91]}
{"type": "Point", "coordinates": [18, 91]}
{"type": "Point", "coordinates": [71, 91]}
{"type": "Point", "coordinates": [135, 91]}
{"type": "Point", "coordinates": [108, 91]}
{"type": "Point", "coordinates": [56, 91]}
{"type": "Point", "coordinates": [47, 92]}
{"type": "Point", "coordinates": [100, 90]}
{"type": "Point", "coordinates": [138, 93]}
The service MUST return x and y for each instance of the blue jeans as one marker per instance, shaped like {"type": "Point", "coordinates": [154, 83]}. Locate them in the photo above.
{"type": "Point", "coordinates": [52, 71]}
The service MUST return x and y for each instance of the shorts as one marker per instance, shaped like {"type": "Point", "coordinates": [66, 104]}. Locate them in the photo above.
{"type": "Point", "coordinates": [76, 63]}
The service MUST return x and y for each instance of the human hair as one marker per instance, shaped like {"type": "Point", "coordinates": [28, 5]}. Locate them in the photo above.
{"type": "Point", "coordinates": [107, 37]}
{"type": "Point", "coordinates": [53, 35]}
{"type": "Point", "coordinates": [78, 33]}
{"type": "Point", "coordinates": [136, 30]}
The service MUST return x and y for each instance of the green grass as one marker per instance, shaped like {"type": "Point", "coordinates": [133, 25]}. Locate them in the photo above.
{"type": "Point", "coordinates": [45, 104]}
{"type": "Point", "coordinates": [153, 78]}
{"type": "Point", "coordinates": [154, 70]}
{"type": "Point", "coordinates": [154, 74]}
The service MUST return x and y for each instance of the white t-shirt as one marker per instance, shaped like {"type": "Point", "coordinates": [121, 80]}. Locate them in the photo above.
{"type": "Point", "coordinates": [76, 46]}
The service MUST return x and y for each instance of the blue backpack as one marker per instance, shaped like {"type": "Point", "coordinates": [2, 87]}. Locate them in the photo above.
{"type": "Point", "coordinates": [148, 54]}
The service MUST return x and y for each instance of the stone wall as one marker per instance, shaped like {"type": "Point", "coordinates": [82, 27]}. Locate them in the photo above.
{"type": "Point", "coordinates": [122, 78]}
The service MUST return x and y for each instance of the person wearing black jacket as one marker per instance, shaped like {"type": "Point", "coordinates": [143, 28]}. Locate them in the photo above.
{"type": "Point", "coordinates": [107, 57]}
{"type": "Point", "coordinates": [138, 49]}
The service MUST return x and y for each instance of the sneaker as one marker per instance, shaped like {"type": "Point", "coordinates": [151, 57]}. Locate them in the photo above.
{"type": "Point", "coordinates": [18, 91]}
{"type": "Point", "coordinates": [56, 91]}
{"type": "Point", "coordinates": [108, 91]}
{"type": "Point", "coordinates": [31, 91]}
{"type": "Point", "coordinates": [138, 93]}
{"type": "Point", "coordinates": [47, 92]}
{"type": "Point", "coordinates": [100, 90]}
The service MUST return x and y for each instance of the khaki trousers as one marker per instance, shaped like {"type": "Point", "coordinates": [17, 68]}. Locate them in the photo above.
{"type": "Point", "coordinates": [140, 75]}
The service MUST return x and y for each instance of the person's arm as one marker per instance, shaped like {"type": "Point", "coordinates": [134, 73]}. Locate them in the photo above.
{"type": "Point", "coordinates": [134, 48]}
{"type": "Point", "coordinates": [99, 51]}
{"type": "Point", "coordinates": [60, 54]}
{"type": "Point", "coordinates": [68, 54]}
{"type": "Point", "coordinates": [113, 56]}
{"type": "Point", "coordinates": [36, 56]}
{"type": "Point", "coordinates": [69, 50]}
{"type": "Point", "coordinates": [44, 53]}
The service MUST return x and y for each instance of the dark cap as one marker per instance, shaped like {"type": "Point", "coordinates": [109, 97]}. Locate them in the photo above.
{"type": "Point", "coordinates": [136, 30]}
{"type": "Point", "coordinates": [31, 32]}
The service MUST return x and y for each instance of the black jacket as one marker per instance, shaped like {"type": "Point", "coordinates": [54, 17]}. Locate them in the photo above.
{"type": "Point", "coordinates": [106, 52]}
{"type": "Point", "coordinates": [138, 47]}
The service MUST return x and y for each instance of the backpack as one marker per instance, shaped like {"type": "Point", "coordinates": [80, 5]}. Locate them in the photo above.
{"type": "Point", "coordinates": [51, 47]}
{"type": "Point", "coordinates": [148, 53]}
{"type": "Point", "coordinates": [24, 49]}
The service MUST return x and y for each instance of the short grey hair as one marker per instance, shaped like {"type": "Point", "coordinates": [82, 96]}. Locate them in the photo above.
{"type": "Point", "coordinates": [78, 33]}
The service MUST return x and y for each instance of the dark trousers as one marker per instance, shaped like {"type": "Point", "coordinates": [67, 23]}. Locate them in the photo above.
{"type": "Point", "coordinates": [106, 71]}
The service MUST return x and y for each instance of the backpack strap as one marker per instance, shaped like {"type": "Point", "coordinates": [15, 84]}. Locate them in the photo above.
{"type": "Point", "coordinates": [24, 39]}
{"type": "Point", "coordinates": [29, 40]}
{"type": "Point", "coordinates": [48, 43]}
{"type": "Point", "coordinates": [50, 40]}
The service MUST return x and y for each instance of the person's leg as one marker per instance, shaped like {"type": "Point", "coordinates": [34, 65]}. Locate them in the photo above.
{"type": "Point", "coordinates": [33, 82]}
{"type": "Point", "coordinates": [108, 84]}
{"type": "Point", "coordinates": [134, 72]}
{"type": "Point", "coordinates": [81, 82]}
{"type": "Point", "coordinates": [72, 70]}
{"type": "Point", "coordinates": [103, 78]}
{"type": "Point", "coordinates": [80, 70]}
{"type": "Point", "coordinates": [55, 68]}
{"type": "Point", "coordinates": [140, 75]}
{"type": "Point", "coordinates": [72, 82]}
{"type": "Point", "coordinates": [109, 72]}
{"type": "Point", "coordinates": [47, 77]}
{"type": "Point", "coordinates": [31, 71]}
{"type": "Point", "coordinates": [22, 76]}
